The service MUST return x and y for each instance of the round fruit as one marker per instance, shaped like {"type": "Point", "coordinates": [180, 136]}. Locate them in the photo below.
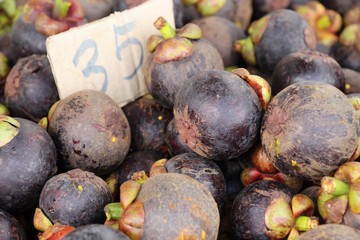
{"type": "Point", "coordinates": [90, 132]}
{"type": "Point", "coordinates": [95, 232]}
{"type": "Point", "coordinates": [331, 232]}
{"type": "Point", "coordinates": [10, 227]}
{"type": "Point", "coordinates": [218, 114]}
{"type": "Point", "coordinates": [309, 129]}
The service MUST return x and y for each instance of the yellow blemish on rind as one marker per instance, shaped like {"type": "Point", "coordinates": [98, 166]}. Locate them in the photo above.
{"type": "Point", "coordinates": [160, 117]}
{"type": "Point", "coordinates": [203, 235]}
{"type": "Point", "coordinates": [80, 188]}
{"type": "Point", "coordinates": [114, 139]}
{"type": "Point", "coordinates": [293, 163]}
{"type": "Point", "coordinates": [347, 86]}
{"type": "Point", "coordinates": [277, 146]}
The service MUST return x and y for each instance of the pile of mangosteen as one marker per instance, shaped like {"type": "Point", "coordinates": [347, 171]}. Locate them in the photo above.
{"type": "Point", "coordinates": [250, 128]}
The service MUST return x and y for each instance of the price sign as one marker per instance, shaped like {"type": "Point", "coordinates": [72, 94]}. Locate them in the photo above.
{"type": "Point", "coordinates": [107, 54]}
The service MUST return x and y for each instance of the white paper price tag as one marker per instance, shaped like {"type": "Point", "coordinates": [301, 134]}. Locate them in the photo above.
{"type": "Point", "coordinates": [107, 54]}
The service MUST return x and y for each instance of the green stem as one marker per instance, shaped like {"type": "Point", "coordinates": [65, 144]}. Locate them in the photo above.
{"type": "Point", "coordinates": [61, 8]}
{"type": "Point", "coordinates": [166, 30]}
{"type": "Point", "coordinates": [334, 186]}
{"type": "Point", "coordinates": [305, 223]}
{"type": "Point", "coordinates": [113, 211]}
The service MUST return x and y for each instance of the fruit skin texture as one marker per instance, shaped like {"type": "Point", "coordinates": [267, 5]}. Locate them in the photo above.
{"type": "Point", "coordinates": [286, 32]}
{"type": "Point", "coordinates": [218, 114]}
{"type": "Point", "coordinates": [148, 120]}
{"type": "Point", "coordinates": [331, 232]}
{"type": "Point", "coordinates": [203, 170]}
{"type": "Point", "coordinates": [27, 162]}
{"type": "Point", "coordinates": [309, 129]}
{"type": "Point", "coordinates": [165, 79]}
{"type": "Point", "coordinates": [10, 227]}
{"type": "Point", "coordinates": [222, 33]}
{"type": "Point", "coordinates": [173, 140]}
{"type": "Point", "coordinates": [248, 210]}
{"type": "Point", "coordinates": [307, 65]}
{"type": "Point", "coordinates": [75, 198]}
{"type": "Point", "coordinates": [90, 132]}
{"type": "Point", "coordinates": [30, 88]}
{"type": "Point", "coordinates": [175, 203]}
{"type": "Point", "coordinates": [95, 232]}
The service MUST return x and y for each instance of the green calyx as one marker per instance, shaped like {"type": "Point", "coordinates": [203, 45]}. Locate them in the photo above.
{"type": "Point", "coordinates": [189, 2]}
{"type": "Point", "coordinates": [302, 205]}
{"type": "Point", "coordinates": [278, 218]}
{"type": "Point", "coordinates": [4, 110]}
{"type": "Point", "coordinates": [258, 28]}
{"type": "Point", "coordinates": [158, 167]}
{"type": "Point", "coordinates": [305, 223]}
{"type": "Point", "coordinates": [334, 186]}
{"type": "Point", "coordinates": [128, 192]}
{"type": "Point", "coordinates": [61, 8]}
{"type": "Point", "coordinates": [354, 197]}
{"type": "Point", "coordinates": [9, 128]}
{"type": "Point", "coordinates": [8, 15]}
{"type": "Point", "coordinates": [246, 48]}
{"type": "Point", "coordinates": [174, 44]}
{"type": "Point", "coordinates": [349, 36]}
{"type": "Point", "coordinates": [40, 221]}
{"type": "Point", "coordinates": [44, 123]}
{"type": "Point", "coordinates": [132, 220]}
{"type": "Point", "coordinates": [210, 7]}
{"type": "Point", "coordinates": [113, 211]}
{"type": "Point", "coordinates": [4, 66]}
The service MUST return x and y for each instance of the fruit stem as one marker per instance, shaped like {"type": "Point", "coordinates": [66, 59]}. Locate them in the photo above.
{"type": "Point", "coordinates": [166, 30]}
{"type": "Point", "coordinates": [61, 8]}
{"type": "Point", "coordinates": [305, 223]}
{"type": "Point", "coordinates": [334, 186]}
{"type": "Point", "coordinates": [113, 211]}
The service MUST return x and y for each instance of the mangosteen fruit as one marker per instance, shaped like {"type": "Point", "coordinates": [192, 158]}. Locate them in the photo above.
{"type": "Point", "coordinates": [96, 9]}
{"type": "Point", "coordinates": [133, 162]}
{"type": "Point", "coordinates": [238, 11]}
{"type": "Point", "coordinates": [331, 232]}
{"type": "Point", "coordinates": [171, 206]}
{"type": "Point", "coordinates": [250, 207]}
{"type": "Point", "coordinates": [307, 65]}
{"type": "Point", "coordinates": [263, 7]}
{"type": "Point", "coordinates": [40, 19]}
{"type": "Point", "coordinates": [346, 51]}
{"type": "Point", "coordinates": [10, 227]}
{"type": "Point", "coordinates": [95, 232]}
{"type": "Point", "coordinates": [274, 36]}
{"type": "Point", "coordinates": [309, 129]}
{"type": "Point", "coordinates": [90, 132]}
{"type": "Point", "coordinates": [173, 140]}
{"type": "Point", "coordinates": [148, 120]}
{"type": "Point", "coordinates": [222, 33]}
{"type": "Point", "coordinates": [218, 115]}
{"type": "Point", "coordinates": [28, 160]}
{"type": "Point", "coordinates": [341, 6]}
{"type": "Point", "coordinates": [75, 198]}
{"type": "Point", "coordinates": [175, 57]}
{"type": "Point", "coordinates": [352, 81]}
{"type": "Point", "coordinates": [203, 170]}
{"type": "Point", "coordinates": [30, 88]}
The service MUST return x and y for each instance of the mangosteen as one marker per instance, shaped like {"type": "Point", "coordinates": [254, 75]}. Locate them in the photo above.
{"type": "Point", "coordinates": [341, 6]}
{"type": "Point", "coordinates": [121, 5]}
{"type": "Point", "coordinates": [274, 36]}
{"type": "Point", "coordinates": [40, 19]}
{"type": "Point", "coordinates": [305, 65]}
{"type": "Point", "coordinates": [238, 11]}
{"type": "Point", "coordinates": [148, 120]}
{"type": "Point", "coordinates": [309, 129]}
{"type": "Point", "coordinates": [95, 232]}
{"type": "Point", "coordinates": [10, 227]}
{"type": "Point", "coordinates": [352, 81]}
{"type": "Point", "coordinates": [30, 88]}
{"type": "Point", "coordinates": [263, 7]}
{"type": "Point", "coordinates": [331, 232]}
{"type": "Point", "coordinates": [97, 9]}
{"type": "Point", "coordinates": [218, 115]}
{"type": "Point", "coordinates": [133, 162]}
{"type": "Point", "coordinates": [173, 140]}
{"type": "Point", "coordinates": [175, 57]}
{"type": "Point", "coordinates": [250, 207]}
{"type": "Point", "coordinates": [75, 198]}
{"type": "Point", "coordinates": [203, 170]}
{"type": "Point", "coordinates": [171, 206]}
{"type": "Point", "coordinates": [346, 51]}
{"type": "Point", "coordinates": [90, 132]}
{"type": "Point", "coordinates": [28, 160]}
{"type": "Point", "coordinates": [222, 33]}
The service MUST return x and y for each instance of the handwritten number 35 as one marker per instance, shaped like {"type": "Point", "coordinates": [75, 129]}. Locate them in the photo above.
{"type": "Point", "coordinates": [92, 67]}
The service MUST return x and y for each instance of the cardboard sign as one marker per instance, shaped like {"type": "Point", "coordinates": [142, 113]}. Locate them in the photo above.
{"type": "Point", "coordinates": [107, 54]}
